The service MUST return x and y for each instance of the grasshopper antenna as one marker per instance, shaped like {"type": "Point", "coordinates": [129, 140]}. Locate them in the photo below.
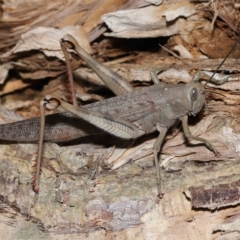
{"type": "Point", "coordinates": [231, 50]}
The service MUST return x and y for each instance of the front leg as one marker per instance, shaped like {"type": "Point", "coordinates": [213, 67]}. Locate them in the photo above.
{"type": "Point", "coordinates": [189, 135]}
{"type": "Point", "coordinates": [202, 75]}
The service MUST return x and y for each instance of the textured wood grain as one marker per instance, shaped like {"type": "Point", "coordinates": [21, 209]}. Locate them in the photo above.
{"type": "Point", "coordinates": [201, 191]}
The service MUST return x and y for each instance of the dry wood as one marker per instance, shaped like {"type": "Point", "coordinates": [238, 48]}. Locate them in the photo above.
{"type": "Point", "coordinates": [202, 192]}
{"type": "Point", "coordinates": [111, 203]}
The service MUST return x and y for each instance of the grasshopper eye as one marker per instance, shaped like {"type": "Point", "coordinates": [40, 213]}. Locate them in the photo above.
{"type": "Point", "coordinates": [194, 94]}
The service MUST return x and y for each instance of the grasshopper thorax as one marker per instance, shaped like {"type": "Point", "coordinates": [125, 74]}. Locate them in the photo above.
{"type": "Point", "coordinates": [194, 96]}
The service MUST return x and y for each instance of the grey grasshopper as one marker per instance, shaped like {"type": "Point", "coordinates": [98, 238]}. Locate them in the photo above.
{"type": "Point", "coordinates": [129, 115]}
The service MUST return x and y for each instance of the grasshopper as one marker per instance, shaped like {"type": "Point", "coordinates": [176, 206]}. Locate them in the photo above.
{"type": "Point", "coordinates": [129, 115]}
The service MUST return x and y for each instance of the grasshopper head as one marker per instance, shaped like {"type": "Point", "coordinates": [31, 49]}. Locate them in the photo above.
{"type": "Point", "coordinates": [194, 96]}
